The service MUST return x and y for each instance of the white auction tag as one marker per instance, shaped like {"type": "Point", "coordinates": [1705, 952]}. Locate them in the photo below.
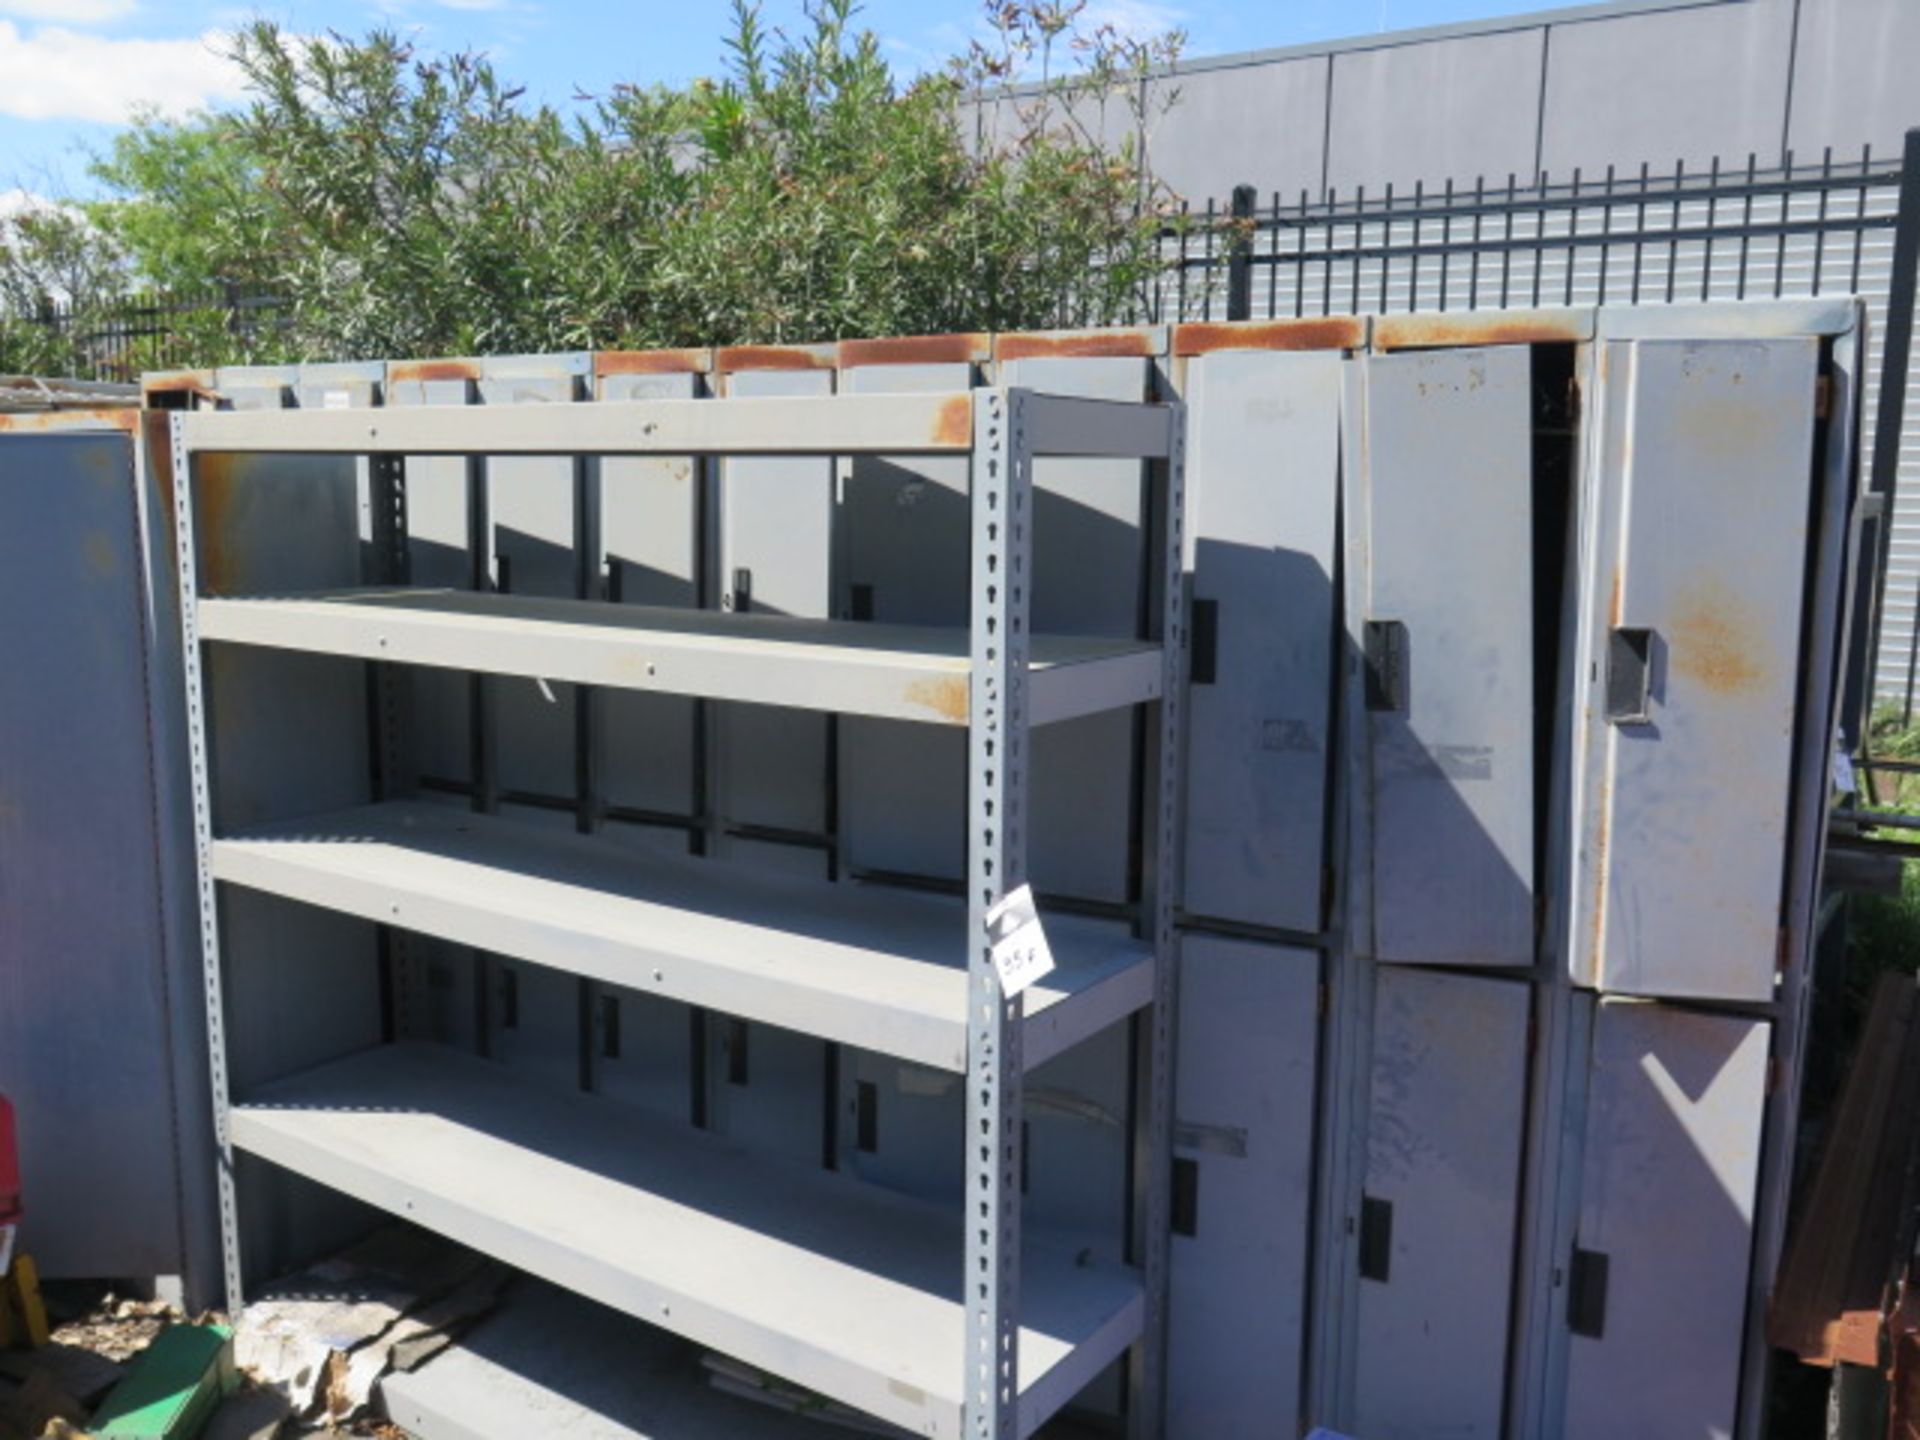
{"type": "Point", "coordinates": [336, 400]}
{"type": "Point", "coordinates": [1018, 944]}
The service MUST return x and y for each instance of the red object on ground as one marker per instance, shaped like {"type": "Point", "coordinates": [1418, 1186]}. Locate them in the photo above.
{"type": "Point", "coordinates": [10, 1207]}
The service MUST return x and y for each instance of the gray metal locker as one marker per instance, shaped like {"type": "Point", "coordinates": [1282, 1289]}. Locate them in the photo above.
{"type": "Point", "coordinates": [1243, 1145]}
{"type": "Point", "coordinates": [1658, 1280]}
{"type": "Point", "coordinates": [650, 508]}
{"type": "Point", "coordinates": [776, 529]}
{"type": "Point", "coordinates": [1264, 435]}
{"type": "Point", "coordinates": [1440, 538]}
{"type": "Point", "coordinates": [905, 562]}
{"type": "Point", "coordinates": [903, 540]}
{"type": "Point", "coordinates": [534, 510]}
{"type": "Point", "coordinates": [1437, 1220]}
{"type": "Point", "coordinates": [1686, 696]}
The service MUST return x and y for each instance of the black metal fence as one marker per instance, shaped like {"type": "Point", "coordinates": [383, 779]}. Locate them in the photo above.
{"type": "Point", "coordinates": [1833, 226]}
{"type": "Point", "coordinates": [118, 337]}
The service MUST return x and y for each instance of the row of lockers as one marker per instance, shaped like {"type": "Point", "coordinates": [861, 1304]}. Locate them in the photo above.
{"type": "Point", "coordinates": [1510, 638]}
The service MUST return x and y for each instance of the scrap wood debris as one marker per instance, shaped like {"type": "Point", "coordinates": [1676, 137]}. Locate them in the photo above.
{"type": "Point", "coordinates": [309, 1351]}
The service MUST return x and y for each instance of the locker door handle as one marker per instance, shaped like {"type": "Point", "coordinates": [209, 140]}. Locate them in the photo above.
{"type": "Point", "coordinates": [1203, 642]}
{"type": "Point", "coordinates": [1386, 659]}
{"type": "Point", "coordinates": [1629, 675]}
{"type": "Point", "coordinates": [1376, 1238]}
{"type": "Point", "coordinates": [1587, 1294]}
{"type": "Point", "coordinates": [1186, 1196]}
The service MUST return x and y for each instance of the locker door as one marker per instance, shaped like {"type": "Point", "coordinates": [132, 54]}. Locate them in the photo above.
{"type": "Point", "coordinates": [766, 1086]}
{"type": "Point", "coordinates": [649, 514]}
{"type": "Point", "coordinates": [905, 528]}
{"type": "Point", "coordinates": [1263, 439]}
{"type": "Point", "coordinates": [438, 554]}
{"type": "Point", "coordinates": [776, 534]}
{"type": "Point", "coordinates": [1437, 1222]}
{"type": "Point", "coordinates": [1692, 644]}
{"type": "Point", "coordinates": [1442, 546]}
{"type": "Point", "coordinates": [1244, 1098]}
{"type": "Point", "coordinates": [1659, 1279]}
{"type": "Point", "coordinates": [533, 504]}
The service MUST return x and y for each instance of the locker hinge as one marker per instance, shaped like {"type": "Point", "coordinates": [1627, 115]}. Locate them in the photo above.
{"type": "Point", "coordinates": [1822, 397]}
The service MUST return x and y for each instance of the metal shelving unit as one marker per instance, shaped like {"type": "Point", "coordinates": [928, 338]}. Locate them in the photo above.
{"type": "Point", "coordinates": [947, 1322]}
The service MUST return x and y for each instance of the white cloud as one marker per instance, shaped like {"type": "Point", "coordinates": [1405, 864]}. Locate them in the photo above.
{"type": "Point", "coordinates": [60, 74]}
{"type": "Point", "coordinates": [72, 12]}
{"type": "Point", "coordinates": [1135, 19]}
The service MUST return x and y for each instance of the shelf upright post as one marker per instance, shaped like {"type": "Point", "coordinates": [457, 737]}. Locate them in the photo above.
{"type": "Point", "coordinates": [1002, 476]}
{"type": "Point", "coordinates": [1153, 1166]}
{"type": "Point", "coordinates": [185, 466]}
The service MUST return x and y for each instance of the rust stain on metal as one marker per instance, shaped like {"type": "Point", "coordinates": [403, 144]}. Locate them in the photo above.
{"type": "Point", "coordinates": [421, 371]}
{"type": "Point", "coordinates": [652, 362]}
{"type": "Point", "coordinates": [1713, 643]}
{"type": "Point", "coordinates": [44, 422]}
{"type": "Point", "coordinates": [915, 350]}
{"type": "Point", "coordinates": [212, 502]}
{"type": "Point", "coordinates": [946, 697]}
{"type": "Point", "coordinates": [954, 424]}
{"type": "Point", "coordinates": [730, 358]}
{"type": "Point", "coordinates": [1613, 605]}
{"type": "Point", "coordinates": [1340, 332]}
{"type": "Point", "coordinates": [1034, 344]}
{"type": "Point", "coordinates": [1414, 332]}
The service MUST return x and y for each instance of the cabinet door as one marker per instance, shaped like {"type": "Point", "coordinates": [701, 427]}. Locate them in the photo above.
{"type": "Point", "coordinates": [1658, 1280]}
{"type": "Point", "coordinates": [1441, 541]}
{"type": "Point", "coordinates": [1263, 476]}
{"type": "Point", "coordinates": [1437, 1221]}
{"type": "Point", "coordinates": [1243, 1159]}
{"type": "Point", "coordinates": [1691, 643]}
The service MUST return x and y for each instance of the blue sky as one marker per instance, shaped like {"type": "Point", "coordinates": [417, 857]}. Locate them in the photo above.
{"type": "Point", "coordinates": [70, 70]}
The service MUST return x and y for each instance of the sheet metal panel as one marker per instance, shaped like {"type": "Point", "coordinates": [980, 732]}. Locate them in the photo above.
{"type": "Point", "coordinates": [1442, 1193]}
{"type": "Point", "coordinates": [1264, 438]}
{"type": "Point", "coordinates": [87, 1033]}
{"type": "Point", "coordinates": [1686, 699]}
{"type": "Point", "coordinates": [1244, 1097]}
{"type": "Point", "coordinates": [1667, 1195]}
{"type": "Point", "coordinates": [1441, 537]}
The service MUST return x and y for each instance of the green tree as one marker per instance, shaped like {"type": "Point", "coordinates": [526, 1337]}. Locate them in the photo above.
{"type": "Point", "coordinates": [405, 204]}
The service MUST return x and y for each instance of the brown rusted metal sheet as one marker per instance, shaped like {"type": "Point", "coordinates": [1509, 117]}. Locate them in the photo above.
{"type": "Point", "coordinates": [1481, 327]}
{"type": "Point", "coordinates": [652, 362]}
{"type": "Point", "coordinates": [1143, 341]}
{"type": "Point", "coordinates": [176, 389]}
{"type": "Point", "coordinates": [42, 422]}
{"type": "Point", "coordinates": [1336, 332]}
{"type": "Point", "coordinates": [213, 505]}
{"type": "Point", "coordinates": [730, 358]}
{"type": "Point", "coordinates": [915, 350]}
{"type": "Point", "coordinates": [945, 697]}
{"type": "Point", "coordinates": [400, 372]}
{"type": "Point", "coordinates": [1853, 1233]}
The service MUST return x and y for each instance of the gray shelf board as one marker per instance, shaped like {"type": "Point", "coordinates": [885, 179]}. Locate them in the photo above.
{"type": "Point", "coordinates": [870, 966]}
{"type": "Point", "coordinates": [899, 672]}
{"type": "Point", "coordinates": [842, 1287]}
